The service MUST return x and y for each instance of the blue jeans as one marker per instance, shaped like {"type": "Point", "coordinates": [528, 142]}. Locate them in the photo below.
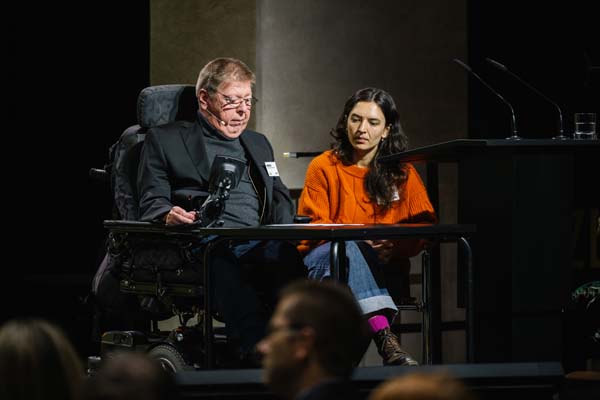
{"type": "Point", "coordinates": [365, 275]}
{"type": "Point", "coordinates": [247, 276]}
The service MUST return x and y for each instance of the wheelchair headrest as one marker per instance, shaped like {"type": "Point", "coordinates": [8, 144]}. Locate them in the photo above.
{"type": "Point", "coordinates": [159, 105]}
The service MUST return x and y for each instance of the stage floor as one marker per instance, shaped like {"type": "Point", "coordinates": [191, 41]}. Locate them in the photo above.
{"type": "Point", "coordinates": [489, 381]}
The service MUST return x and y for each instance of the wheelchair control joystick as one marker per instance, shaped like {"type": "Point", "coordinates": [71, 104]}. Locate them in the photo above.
{"type": "Point", "coordinates": [225, 175]}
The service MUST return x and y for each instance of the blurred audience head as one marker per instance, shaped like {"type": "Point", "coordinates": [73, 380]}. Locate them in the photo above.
{"type": "Point", "coordinates": [130, 376]}
{"type": "Point", "coordinates": [316, 333]}
{"type": "Point", "coordinates": [422, 386]}
{"type": "Point", "coordinates": [37, 361]}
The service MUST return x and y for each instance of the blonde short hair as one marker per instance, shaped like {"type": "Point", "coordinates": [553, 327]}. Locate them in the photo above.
{"type": "Point", "coordinates": [223, 69]}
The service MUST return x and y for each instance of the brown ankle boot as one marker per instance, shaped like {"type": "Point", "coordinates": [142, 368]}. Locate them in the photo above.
{"type": "Point", "coordinates": [390, 351]}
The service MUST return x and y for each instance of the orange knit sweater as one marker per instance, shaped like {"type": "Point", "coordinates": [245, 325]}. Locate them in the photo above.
{"type": "Point", "coordinates": [335, 193]}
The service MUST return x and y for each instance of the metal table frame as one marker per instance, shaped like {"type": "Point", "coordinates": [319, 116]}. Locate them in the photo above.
{"type": "Point", "coordinates": [337, 234]}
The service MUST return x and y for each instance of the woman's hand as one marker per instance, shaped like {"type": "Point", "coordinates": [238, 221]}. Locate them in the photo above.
{"type": "Point", "coordinates": [178, 216]}
{"type": "Point", "coordinates": [383, 248]}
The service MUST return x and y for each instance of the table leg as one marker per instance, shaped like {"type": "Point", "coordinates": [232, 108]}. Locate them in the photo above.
{"type": "Point", "coordinates": [337, 261]}
{"type": "Point", "coordinates": [427, 301]}
{"type": "Point", "coordinates": [470, 306]}
{"type": "Point", "coordinates": [207, 317]}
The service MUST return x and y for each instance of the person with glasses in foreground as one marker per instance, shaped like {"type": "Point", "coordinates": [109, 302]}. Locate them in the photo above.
{"type": "Point", "coordinates": [179, 156]}
{"type": "Point", "coordinates": [314, 340]}
{"type": "Point", "coordinates": [346, 185]}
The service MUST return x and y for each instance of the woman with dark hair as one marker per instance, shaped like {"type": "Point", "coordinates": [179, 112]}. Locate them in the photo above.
{"type": "Point", "coordinates": [346, 185]}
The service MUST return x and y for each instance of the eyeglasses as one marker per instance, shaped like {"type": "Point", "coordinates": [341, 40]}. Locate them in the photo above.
{"type": "Point", "coordinates": [235, 103]}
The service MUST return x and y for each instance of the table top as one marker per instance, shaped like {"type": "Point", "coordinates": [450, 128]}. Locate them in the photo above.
{"type": "Point", "coordinates": [304, 231]}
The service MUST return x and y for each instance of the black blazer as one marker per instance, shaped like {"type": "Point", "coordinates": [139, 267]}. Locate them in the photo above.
{"type": "Point", "coordinates": [174, 157]}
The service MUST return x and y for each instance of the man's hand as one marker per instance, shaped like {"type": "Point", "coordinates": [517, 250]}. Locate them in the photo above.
{"type": "Point", "coordinates": [178, 216]}
{"type": "Point", "coordinates": [383, 248]}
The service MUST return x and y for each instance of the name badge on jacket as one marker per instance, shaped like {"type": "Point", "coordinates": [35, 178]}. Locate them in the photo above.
{"type": "Point", "coordinates": [271, 168]}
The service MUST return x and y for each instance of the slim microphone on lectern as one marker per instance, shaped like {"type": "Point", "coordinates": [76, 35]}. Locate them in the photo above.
{"type": "Point", "coordinates": [502, 67]}
{"type": "Point", "coordinates": [512, 111]}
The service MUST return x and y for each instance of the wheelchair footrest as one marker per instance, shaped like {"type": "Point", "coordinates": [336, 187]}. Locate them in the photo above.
{"type": "Point", "coordinates": [124, 340]}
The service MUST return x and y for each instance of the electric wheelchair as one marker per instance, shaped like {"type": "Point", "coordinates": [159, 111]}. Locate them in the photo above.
{"type": "Point", "coordinates": [152, 272]}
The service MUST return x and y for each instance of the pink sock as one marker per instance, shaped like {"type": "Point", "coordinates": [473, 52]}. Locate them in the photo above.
{"type": "Point", "coordinates": [378, 323]}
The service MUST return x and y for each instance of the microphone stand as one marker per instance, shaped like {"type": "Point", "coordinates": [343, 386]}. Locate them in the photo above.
{"type": "Point", "coordinates": [502, 67]}
{"type": "Point", "coordinates": [513, 120]}
{"type": "Point", "coordinates": [514, 135]}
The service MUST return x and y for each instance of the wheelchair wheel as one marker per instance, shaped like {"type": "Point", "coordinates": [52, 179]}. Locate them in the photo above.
{"type": "Point", "coordinates": [170, 358]}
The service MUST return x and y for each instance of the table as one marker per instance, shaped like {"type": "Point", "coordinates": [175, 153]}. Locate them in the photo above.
{"type": "Point", "coordinates": [337, 234]}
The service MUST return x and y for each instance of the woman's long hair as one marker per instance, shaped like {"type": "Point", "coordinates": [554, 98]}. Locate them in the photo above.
{"type": "Point", "coordinates": [38, 362]}
{"type": "Point", "coordinates": [382, 180]}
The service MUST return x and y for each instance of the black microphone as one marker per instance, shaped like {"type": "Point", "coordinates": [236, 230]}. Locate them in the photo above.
{"type": "Point", "coordinates": [502, 67]}
{"type": "Point", "coordinates": [223, 123]}
{"type": "Point", "coordinates": [512, 111]}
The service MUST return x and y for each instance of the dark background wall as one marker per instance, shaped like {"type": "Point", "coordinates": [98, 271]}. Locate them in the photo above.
{"type": "Point", "coordinates": [74, 75]}
{"type": "Point", "coordinates": [526, 312]}
{"type": "Point", "coordinates": [75, 72]}
{"type": "Point", "coordinates": [553, 46]}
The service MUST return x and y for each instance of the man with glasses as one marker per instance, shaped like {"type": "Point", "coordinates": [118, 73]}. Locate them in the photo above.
{"type": "Point", "coordinates": [179, 156]}
{"type": "Point", "coordinates": [314, 339]}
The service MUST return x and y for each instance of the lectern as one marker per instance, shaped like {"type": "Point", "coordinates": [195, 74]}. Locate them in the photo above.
{"type": "Point", "coordinates": [521, 195]}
